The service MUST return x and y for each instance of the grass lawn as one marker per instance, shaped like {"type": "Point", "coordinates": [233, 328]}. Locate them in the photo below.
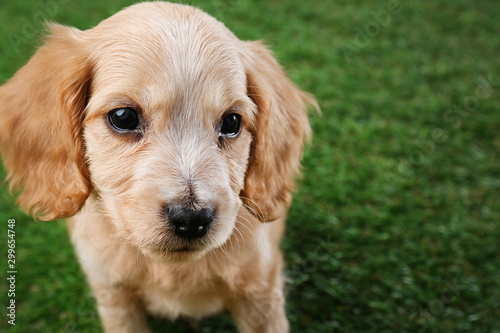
{"type": "Point", "coordinates": [395, 227]}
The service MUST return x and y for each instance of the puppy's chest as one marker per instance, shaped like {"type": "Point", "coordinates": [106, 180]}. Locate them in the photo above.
{"type": "Point", "coordinates": [188, 297]}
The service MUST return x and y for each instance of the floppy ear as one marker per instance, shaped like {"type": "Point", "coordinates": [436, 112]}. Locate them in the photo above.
{"type": "Point", "coordinates": [282, 127]}
{"type": "Point", "coordinates": [41, 113]}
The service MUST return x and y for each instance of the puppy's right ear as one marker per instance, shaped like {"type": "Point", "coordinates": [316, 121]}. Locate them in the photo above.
{"type": "Point", "coordinates": [41, 114]}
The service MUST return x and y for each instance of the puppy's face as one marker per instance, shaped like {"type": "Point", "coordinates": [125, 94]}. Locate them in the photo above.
{"type": "Point", "coordinates": [167, 134]}
{"type": "Point", "coordinates": [164, 118]}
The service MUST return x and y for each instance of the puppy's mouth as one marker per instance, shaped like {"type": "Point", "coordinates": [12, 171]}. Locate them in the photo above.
{"type": "Point", "coordinates": [172, 249]}
{"type": "Point", "coordinates": [179, 254]}
{"type": "Point", "coordinates": [173, 245]}
{"type": "Point", "coordinates": [184, 249]}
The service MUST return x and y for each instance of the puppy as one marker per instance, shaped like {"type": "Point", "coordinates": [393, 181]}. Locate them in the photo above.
{"type": "Point", "coordinates": [169, 144]}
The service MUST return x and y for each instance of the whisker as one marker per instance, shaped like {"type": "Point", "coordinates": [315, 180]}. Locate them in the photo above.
{"type": "Point", "coordinates": [259, 214]}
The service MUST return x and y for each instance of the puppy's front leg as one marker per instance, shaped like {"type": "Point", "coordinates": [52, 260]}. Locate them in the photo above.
{"type": "Point", "coordinates": [261, 313]}
{"type": "Point", "coordinates": [120, 310]}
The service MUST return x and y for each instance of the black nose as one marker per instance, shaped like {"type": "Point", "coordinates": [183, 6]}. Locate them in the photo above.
{"type": "Point", "coordinates": [188, 223]}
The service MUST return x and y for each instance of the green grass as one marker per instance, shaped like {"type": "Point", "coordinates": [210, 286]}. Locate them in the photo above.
{"type": "Point", "coordinates": [395, 227]}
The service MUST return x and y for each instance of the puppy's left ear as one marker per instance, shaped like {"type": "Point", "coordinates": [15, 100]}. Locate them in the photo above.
{"type": "Point", "coordinates": [281, 128]}
{"type": "Point", "coordinates": [41, 114]}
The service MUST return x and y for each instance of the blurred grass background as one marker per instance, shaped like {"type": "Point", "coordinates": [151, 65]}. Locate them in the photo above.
{"type": "Point", "coordinates": [395, 227]}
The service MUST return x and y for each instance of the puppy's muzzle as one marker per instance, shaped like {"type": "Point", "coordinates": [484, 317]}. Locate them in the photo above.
{"type": "Point", "coordinates": [187, 223]}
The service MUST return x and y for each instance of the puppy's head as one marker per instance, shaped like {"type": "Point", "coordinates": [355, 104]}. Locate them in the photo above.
{"type": "Point", "coordinates": [164, 118]}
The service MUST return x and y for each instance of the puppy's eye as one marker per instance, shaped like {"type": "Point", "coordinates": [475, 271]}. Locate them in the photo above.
{"type": "Point", "coordinates": [230, 125]}
{"type": "Point", "coordinates": [124, 119]}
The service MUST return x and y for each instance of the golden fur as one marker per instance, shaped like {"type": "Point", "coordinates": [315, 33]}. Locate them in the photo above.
{"type": "Point", "coordinates": [182, 70]}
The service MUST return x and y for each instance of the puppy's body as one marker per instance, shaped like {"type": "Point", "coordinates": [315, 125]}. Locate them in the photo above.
{"type": "Point", "coordinates": [168, 142]}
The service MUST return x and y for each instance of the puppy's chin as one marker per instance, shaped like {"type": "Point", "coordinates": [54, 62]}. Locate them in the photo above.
{"type": "Point", "coordinates": [182, 255]}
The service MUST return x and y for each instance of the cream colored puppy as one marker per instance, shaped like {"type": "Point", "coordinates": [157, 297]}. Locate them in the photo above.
{"type": "Point", "coordinates": [167, 142]}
